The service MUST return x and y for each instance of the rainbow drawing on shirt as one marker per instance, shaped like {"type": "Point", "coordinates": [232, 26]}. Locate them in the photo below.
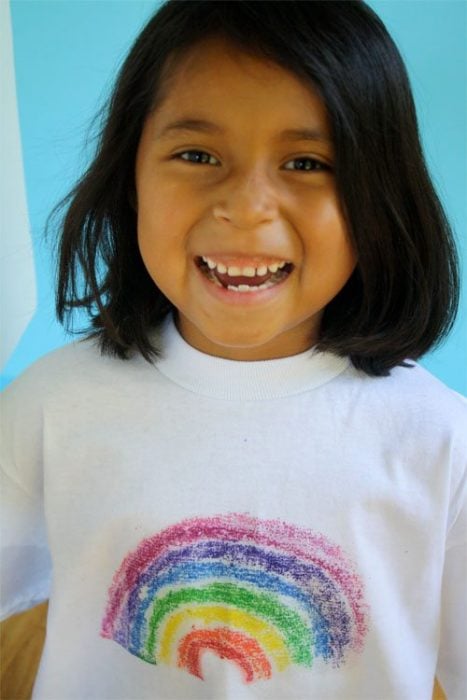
{"type": "Point", "coordinates": [262, 594]}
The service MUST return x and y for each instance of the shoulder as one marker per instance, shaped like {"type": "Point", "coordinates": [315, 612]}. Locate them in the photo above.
{"type": "Point", "coordinates": [410, 418]}
{"type": "Point", "coordinates": [55, 367]}
{"type": "Point", "coordinates": [73, 369]}
{"type": "Point", "coordinates": [411, 388]}
{"type": "Point", "coordinates": [410, 401]}
{"type": "Point", "coordinates": [423, 394]}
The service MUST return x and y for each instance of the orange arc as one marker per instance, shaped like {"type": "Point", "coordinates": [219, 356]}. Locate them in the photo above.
{"type": "Point", "coordinates": [227, 644]}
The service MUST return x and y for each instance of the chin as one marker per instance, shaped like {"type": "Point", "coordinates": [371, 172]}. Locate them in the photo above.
{"type": "Point", "coordinates": [240, 341]}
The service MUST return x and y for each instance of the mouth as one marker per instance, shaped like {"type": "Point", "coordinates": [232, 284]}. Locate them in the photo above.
{"type": "Point", "coordinates": [252, 275]}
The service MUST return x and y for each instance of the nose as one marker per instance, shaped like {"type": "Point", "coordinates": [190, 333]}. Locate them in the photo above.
{"type": "Point", "coordinates": [246, 200]}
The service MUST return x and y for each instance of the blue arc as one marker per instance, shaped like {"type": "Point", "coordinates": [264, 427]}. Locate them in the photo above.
{"type": "Point", "coordinates": [276, 572]}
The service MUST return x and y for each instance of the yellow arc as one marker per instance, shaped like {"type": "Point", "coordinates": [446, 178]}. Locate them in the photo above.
{"type": "Point", "coordinates": [265, 634]}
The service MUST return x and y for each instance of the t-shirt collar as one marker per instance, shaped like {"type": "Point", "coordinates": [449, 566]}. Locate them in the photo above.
{"type": "Point", "coordinates": [217, 377]}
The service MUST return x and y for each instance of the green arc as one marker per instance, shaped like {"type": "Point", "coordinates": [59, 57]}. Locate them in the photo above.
{"type": "Point", "coordinates": [297, 636]}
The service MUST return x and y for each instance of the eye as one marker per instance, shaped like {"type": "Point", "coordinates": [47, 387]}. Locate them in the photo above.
{"type": "Point", "coordinates": [196, 157]}
{"type": "Point", "coordinates": [307, 164]}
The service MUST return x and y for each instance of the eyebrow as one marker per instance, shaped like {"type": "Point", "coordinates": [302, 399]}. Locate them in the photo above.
{"type": "Point", "coordinates": [206, 127]}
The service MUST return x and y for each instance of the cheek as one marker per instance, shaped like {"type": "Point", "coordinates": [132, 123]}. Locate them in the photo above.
{"type": "Point", "coordinates": [327, 242]}
{"type": "Point", "coordinates": [152, 242]}
{"type": "Point", "coordinates": [336, 245]}
{"type": "Point", "coordinates": [161, 241]}
{"type": "Point", "coordinates": [157, 219]}
{"type": "Point", "coordinates": [167, 211]}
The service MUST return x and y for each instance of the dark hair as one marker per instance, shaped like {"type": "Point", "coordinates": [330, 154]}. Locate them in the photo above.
{"type": "Point", "coordinates": [402, 297]}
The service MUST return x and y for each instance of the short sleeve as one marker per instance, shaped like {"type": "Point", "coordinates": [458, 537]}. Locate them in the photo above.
{"type": "Point", "coordinates": [452, 661]}
{"type": "Point", "coordinates": [24, 554]}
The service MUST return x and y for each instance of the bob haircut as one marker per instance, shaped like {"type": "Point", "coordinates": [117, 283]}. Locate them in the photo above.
{"type": "Point", "coordinates": [401, 299]}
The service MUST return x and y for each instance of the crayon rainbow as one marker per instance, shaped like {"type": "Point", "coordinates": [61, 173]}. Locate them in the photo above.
{"type": "Point", "coordinates": [262, 594]}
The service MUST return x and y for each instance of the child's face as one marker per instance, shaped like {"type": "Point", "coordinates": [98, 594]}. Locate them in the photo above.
{"type": "Point", "coordinates": [260, 199]}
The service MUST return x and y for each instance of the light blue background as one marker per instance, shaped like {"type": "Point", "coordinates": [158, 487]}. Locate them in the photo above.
{"type": "Point", "coordinates": [67, 53]}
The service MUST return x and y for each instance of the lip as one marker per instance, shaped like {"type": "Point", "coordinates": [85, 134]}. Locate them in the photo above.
{"type": "Point", "coordinates": [228, 296]}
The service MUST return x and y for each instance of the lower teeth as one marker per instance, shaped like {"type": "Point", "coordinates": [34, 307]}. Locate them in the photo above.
{"type": "Point", "coordinates": [247, 288]}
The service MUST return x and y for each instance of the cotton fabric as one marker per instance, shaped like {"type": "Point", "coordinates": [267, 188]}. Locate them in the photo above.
{"type": "Point", "coordinates": [232, 506]}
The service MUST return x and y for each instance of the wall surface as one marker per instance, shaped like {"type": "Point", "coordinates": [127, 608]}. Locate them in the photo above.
{"type": "Point", "coordinates": [58, 62]}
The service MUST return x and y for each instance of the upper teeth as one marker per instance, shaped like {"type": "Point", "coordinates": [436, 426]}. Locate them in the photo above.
{"type": "Point", "coordinates": [247, 271]}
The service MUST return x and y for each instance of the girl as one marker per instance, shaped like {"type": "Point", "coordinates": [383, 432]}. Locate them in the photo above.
{"type": "Point", "coordinates": [241, 484]}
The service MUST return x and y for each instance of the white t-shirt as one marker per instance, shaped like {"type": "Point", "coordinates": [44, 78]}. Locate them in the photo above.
{"type": "Point", "coordinates": [215, 529]}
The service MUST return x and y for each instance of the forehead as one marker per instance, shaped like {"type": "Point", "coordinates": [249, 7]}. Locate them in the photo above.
{"type": "Point", "coordinates": [216, 76]}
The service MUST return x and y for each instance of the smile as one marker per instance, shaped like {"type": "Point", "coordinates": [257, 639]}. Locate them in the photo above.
{"type": "Point", "coordinates": [252, 277]}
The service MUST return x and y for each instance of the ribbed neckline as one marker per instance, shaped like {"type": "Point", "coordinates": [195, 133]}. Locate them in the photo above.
{"type": "Point", "coordinates": [240, 380]}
